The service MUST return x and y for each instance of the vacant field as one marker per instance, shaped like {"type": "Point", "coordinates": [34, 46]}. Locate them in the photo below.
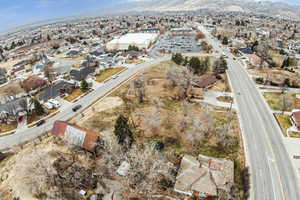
{"type": "Point", "coordinates": [8, 127]}
{"type": "Point", "coordinates": [76, 93]}
{"type": "Point", "coordinates": [225, 99]}
{"type": "Point", "coordinates": [276, 100]}
{"type": "Point", "coordinates": [105, 74]}
{"type": "Point", "coordinates": [137, 61]}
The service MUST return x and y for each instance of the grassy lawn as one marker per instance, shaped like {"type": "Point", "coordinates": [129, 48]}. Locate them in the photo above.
{"type": "Point", "coordinates": [7, 127]}
{"type": "Point", "coordinates": [34, 117]}
{"type": "Point", "coordinates": [225, 99]}
{"type": "Point", "coordinates": [273, 99]}
{"type": "Point", "coordinates": [105, 74]}
{"type": "Point", "coordinates": [76, 93]}
{"type": "Point", "coordinates": [75, 58]}
{"type": "Point", "coordinates": [284, 122]}
{"type": "Point", "coordinates": [137, 61]}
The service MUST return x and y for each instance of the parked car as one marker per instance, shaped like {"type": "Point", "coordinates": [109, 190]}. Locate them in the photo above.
{"type": "Point", "coordinates": [76, 108]}
{"type": "Point", "coordinates": [40, 123]}
{"type": "Point", "coordinates": [54, 102]}
{"type": "Point", "coordinates": [48, 105]}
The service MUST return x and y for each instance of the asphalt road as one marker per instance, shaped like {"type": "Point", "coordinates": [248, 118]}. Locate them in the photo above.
{"type": "Point", "coordinates": [31, 133]}
{"type": "Point", "coordinates": [272, 174]}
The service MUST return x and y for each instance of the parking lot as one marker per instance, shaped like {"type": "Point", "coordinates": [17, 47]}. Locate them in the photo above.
{"type": "Point", "coordinates": [177, 44]}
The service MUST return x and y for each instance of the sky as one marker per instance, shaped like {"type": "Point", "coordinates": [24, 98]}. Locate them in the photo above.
{"type": "Point", "coordinates": [20, 12]}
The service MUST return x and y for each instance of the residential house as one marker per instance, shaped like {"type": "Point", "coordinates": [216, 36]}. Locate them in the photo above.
{"type": "Point", "coordinates": [255, 60]}
{"type": "Point", "coordinates": [76, 135]}
{"type": "Point", "coordinates": [34, 83]}
{"type": "Point", "coordinates": [82, 73]}
{"type": "Point", "coordinates": [204, 176]}
{"type": "Point", "coordinates": [204, 81]}
{"type": "Point", "coordinates": [295, 119]}
{"type": "Point", "coordinates": [3, 79]}
{"type": "Point", "coordinates": [59, 88]}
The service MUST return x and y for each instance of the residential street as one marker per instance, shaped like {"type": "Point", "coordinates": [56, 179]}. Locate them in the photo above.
{"type": "Point", "coordinates": [29, 134]}
{"type": "Point", "coordinates": [272, 173]}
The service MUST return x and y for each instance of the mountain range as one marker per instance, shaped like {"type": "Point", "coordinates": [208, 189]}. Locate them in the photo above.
{"type": "Point", "coordinates": [266, 7]}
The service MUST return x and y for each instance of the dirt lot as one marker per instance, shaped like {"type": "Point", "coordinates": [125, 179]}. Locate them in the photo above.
{"type": "Point", "coordinates": [11, 88]}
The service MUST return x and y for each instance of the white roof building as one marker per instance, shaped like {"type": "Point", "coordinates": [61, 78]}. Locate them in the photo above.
{"type": "Point", "coordinates": [141, 40]}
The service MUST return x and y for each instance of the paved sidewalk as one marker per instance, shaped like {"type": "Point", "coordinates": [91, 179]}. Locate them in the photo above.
{"type": "Point", "coordinates": [210, 97]}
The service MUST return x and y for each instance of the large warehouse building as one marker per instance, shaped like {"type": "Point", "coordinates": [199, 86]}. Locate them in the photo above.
{"type": "Point", "coordinates": [141, 40]}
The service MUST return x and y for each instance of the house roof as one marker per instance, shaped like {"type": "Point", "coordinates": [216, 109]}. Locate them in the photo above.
{"type": "Point", "coordinates": [204, 80]}
{"type": "Point", "coordinates": [82, 73]}
{"type": "Point", "coordinates": [246, 50]}
{"type": "Point", "coordinates": [194, 179]}
{"type": "Point", "coordinates": [33, 83]}
{"type": "Point", "coordinates": [203, 176]}
{"type": "Point", "coordinates": [53, 91]}
{"type": "Point", "coordinates": [296, 117]}
{"type": "Point", "coordinates": [76, 135]}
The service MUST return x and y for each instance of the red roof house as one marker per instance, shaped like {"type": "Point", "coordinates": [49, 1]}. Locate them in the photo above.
{"type": "Point", "coordinates": [295, 118]}
{"type": "Point", "coordinates": [76, 135]}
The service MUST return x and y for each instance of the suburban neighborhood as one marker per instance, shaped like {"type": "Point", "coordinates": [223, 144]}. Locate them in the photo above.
{"type": "Point", "coordinates": [167, 105]}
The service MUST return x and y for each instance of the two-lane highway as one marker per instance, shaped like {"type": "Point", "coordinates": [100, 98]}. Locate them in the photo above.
{"type": "Point", "coordinates": [272, 174]}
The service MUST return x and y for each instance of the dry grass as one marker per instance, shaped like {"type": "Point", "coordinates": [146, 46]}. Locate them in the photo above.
{"type": "Point", "coordinates": [225, 99]}
{"type": "Point", "coordinates": [284, 122]}
{"type": "Point", "coordinates": [8, 127]}
{"type": "Point", "coordinates": [294, 134]}
{"type": "Point", "coordinates": [274, 99]}
{"type": "Point", "coordinates": [137, 61]}
{"type": "Point", "coordinates": [74, 58]}
{"type": "Point", "coordinates": [34, 117]}
{"type": "Point", "coordinates": [105, 74]}
{"type": "Point", "coordinates": [76, 93]}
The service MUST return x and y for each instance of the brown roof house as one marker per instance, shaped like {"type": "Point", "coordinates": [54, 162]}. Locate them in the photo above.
{"type": "Point", "coordinates": [76, 135]}
{"type": "Point", "coordinates": [204, 81]}
{"type": "Point", "coordinates": [295, 119]}
{"type": "Point", "coordinates": [204, 176]}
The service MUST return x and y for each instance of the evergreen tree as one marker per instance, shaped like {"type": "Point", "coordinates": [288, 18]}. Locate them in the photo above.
{"type": "Point", "coordinates": [225, 40]}
{"type": "Point", "coordinates": [123, 132]}
{"type": "Point", "coordinates": [220, 66]}
{"type": "Point", "coordinates": [198, 66]}
{"type": "Point", "coordinates": [286, 62]}
{"type": "Point", "coordinates": [84, 86]}
{"type": "Point", "coordinates": [185, 61]}
{"type": "Point", "coordinates": [39, 110]}
{"type": "Point", "coordinates": [177, 58]}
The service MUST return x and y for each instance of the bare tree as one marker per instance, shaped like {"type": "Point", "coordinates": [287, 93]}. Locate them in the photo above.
{"type": "Point", "coordinates": [140, 89]}
{"type": "Point", "coordinates": [34, 173]}
{"type": "Point", "coordinates": [181, 79]}
{"type": "Point", "coordinates": [286, 102]}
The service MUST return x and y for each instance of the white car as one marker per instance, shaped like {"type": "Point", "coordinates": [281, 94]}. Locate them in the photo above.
{"type": "Point", "coordinates": [54, 102]}
{"type": "Point", "coordinates": [48, 105]}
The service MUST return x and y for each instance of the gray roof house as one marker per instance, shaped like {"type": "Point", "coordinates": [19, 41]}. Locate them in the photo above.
{"type": "Point", "coordinates": [55, 90]}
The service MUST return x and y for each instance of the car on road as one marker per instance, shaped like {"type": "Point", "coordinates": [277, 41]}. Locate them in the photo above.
{"type": "Point", "coordinates": [115, 77]}
{"type": "Point", "coordinates": [40, 123]}
{"type": "Point", "coordinates": [75, 108]}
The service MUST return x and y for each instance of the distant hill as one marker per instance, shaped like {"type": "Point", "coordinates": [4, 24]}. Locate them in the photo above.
{"type": "Point", "coordinates": [260, 7]}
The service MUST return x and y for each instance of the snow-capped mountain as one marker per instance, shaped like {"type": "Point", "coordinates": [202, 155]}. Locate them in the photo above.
{"type": "Point", "coordinates": [257, 6]}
